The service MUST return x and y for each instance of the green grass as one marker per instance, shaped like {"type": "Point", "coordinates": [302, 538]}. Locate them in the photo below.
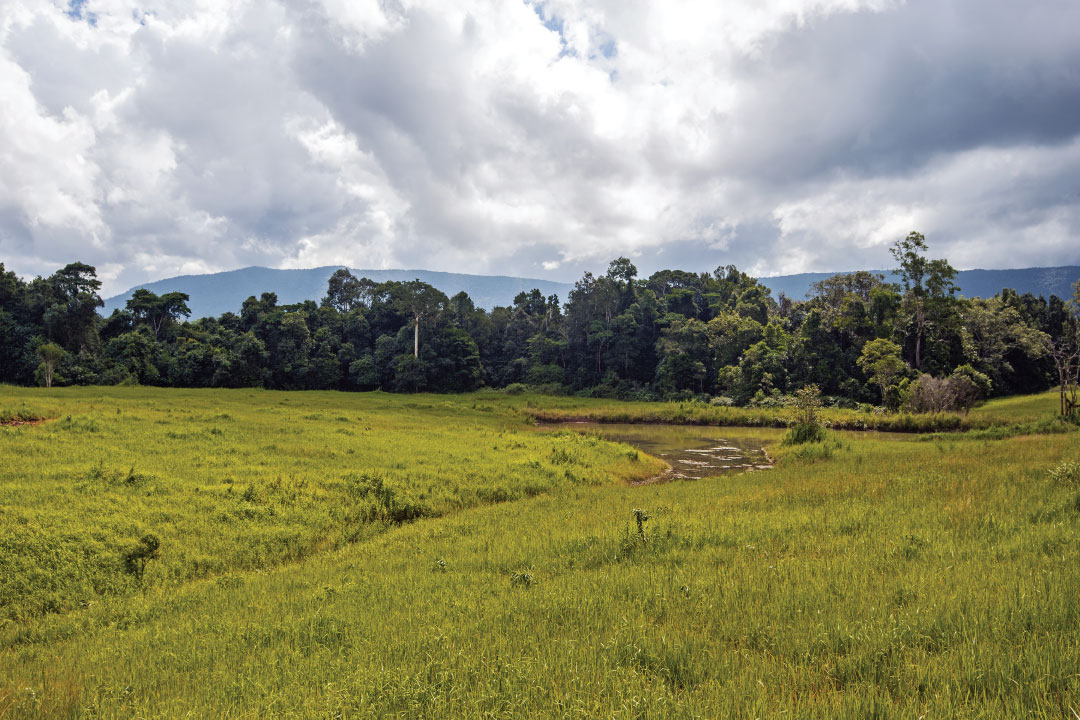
{"type": "Point", "coordinates": [1006, 411]}
{"type": "Point", "coordinates": [885, 578]}
{"type": "Point", "coordinates": [13, 415]}
{"type": "Point", "coordinates": [232, 480]}
{"type": "Point", "coordinates": [1018, 409]}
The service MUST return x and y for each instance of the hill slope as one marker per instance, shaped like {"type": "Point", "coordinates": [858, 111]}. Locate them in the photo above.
{"type": "Point", "coordinates": [973, 283]}
{"type": "Point", "coordinates": [217, 293]}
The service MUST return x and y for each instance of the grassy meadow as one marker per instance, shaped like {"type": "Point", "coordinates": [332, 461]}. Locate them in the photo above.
{"type": "Point", "coordinates": [356, 555]}
{"type": "Point", "coordinates": [1017, 411]}
{"type": "Point", "coordinates": [231, 480]}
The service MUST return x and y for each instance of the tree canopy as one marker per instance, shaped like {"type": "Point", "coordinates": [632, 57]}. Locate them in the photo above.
{"type": "Point", "coordinates": [675, 334]}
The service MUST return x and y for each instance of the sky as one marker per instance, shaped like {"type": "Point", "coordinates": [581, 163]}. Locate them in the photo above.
{"type": "Point", "coordinates": [536, 138]}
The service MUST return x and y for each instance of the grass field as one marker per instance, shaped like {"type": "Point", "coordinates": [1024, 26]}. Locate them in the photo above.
{"type": "Point", "coordinates": [233, 480]}
{"type": "Point", "coordinates": [871, 576]}
{"type": "Point", "coordinates": [1008, 411]}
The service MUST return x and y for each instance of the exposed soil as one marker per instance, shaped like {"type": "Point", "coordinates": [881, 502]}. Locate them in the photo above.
{"type": "Point", "coordinates": [19, 421]}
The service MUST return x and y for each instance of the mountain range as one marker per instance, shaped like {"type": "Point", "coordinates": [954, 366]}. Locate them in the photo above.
{"type": "Point", "coordinates": [217, 293]}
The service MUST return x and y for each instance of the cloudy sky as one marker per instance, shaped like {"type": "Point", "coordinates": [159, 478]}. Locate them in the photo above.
{"type": "Point", "coordinates": [536, 138]}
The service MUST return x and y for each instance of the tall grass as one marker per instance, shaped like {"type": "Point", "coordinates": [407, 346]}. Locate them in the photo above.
{"type": "Point", "coordinates": [232, 480]}
{"type": "Point", "coordinates": [994, 413]}
{"type": "Point", "coordinates": [888, 579]}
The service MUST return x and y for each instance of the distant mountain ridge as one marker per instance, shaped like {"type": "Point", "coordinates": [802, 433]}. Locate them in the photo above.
{"type": "Point", "coordinates": [217, 293]}
{"type": "Point", "coordinates": [972, 283]}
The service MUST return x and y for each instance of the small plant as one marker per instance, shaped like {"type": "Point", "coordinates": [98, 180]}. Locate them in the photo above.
{"type": "Point", "coordinates": [641, 516]}
{"type": "Point", "coordinates": [1067, 473]}
{"type": "Point", "coordinates": [559, 456]}
{"type": "Point", "coordinates": [136, 558]}
{"type": "Point", "coordinates": [807, 427]}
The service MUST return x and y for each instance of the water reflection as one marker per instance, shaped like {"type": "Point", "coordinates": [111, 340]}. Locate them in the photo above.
{"type": "Point", "coordinates": [692, 451]}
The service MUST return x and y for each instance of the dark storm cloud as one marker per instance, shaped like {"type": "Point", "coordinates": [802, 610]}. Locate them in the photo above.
{"type": "Point", "coordinates": [875, 93]}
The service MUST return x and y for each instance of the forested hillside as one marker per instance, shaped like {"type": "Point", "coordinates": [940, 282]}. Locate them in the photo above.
{"type": "Point", "coordinates": [715, 336]}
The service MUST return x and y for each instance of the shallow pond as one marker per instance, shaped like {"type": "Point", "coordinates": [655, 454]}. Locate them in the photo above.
{"type": "Point", "coordinates": [693, 451]}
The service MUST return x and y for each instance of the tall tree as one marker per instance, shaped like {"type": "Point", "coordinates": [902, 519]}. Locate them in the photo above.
{"type": "Point", "coordinates": [158, 312]}
{"type": "Point", "coordinates": [344, 292]}
{"type": "Point", "coordinates": [51, 354]}
{"type": "Point", "coordinates": [927, 285]}
{"type": "Point", "coordinates": [880, 361]}
{"type": "Point", "coordinates": [70, 298]}
{"type": "Point", "coordinates": [419, 301]}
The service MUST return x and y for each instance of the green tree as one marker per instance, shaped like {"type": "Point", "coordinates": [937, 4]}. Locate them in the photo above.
{"type": "Point", "coordinates": [995, 336]}
{"type": "Point", "coordinates": [345, 292]}
{"type": "Point", "coordinates": [928, 284]}
{"type": "Point", "coordinates": [421, 302]}
{"type": "Point", "coordinates": [70, 299]}
{"type": "Point", "coordinates": [880, 361]}
{"type": "Point", "coordinates": [158, 312]}
{"type": "Point", "coordinates": [51, 354]}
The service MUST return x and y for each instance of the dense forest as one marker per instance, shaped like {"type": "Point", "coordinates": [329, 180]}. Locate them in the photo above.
{"type": "Point", "coordinates": [717, 337]}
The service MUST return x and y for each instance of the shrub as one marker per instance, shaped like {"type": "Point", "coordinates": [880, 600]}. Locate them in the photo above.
{"type": "Point", "coordinates": [935, 395]}
{"type": "Point", "coordinates": [641, 517]}
{"type": "Point", "coordinates": [1067, 473]}
{"type": "Point", "coordinates": [807, 427]}
{"type": "Point", "coordinates": [801, 434]}
{"type": "Point", "coordinates": [135, 559]}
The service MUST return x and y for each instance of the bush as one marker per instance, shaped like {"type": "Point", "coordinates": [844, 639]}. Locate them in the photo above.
{"type": "Point", "coordinates": [935, 395]}
{"type": "Point", "coordinates": [807, 427]}
{"type": "Point", "coordinates": [802, 434]}
{"type": "Point", "coordinates": [136, 558]}
{"type": "Point", "coordinates": [1067, 473]}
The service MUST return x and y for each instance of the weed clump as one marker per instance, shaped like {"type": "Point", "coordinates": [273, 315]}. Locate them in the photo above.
{"type": "Point", "coordinates": [641, 516]}
{"type": "Point", "coordinates": [1067, 473]}
{"type": "Point", "coordinates": [386, 503]}
{"type": "Point", "coordinates": [808, 427]}
{"type": "Point", "coordinates": [136, 558]}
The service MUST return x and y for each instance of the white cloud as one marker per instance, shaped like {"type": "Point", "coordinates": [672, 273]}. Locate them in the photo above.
{"type": "Point", "coordinates": [535, 138]}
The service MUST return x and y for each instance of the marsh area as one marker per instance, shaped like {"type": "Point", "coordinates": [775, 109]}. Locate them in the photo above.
{"type": "Point", "coordinates": [693, 451]}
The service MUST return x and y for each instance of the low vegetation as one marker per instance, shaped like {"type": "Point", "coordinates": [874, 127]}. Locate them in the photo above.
{"type": "Point", "coordinates": [866, 575]}
{"type": "Point", "coordinates": [247, 479]}
{"type": "Point", "coordinates": [1008, 411]}
{"type": "Point", "coordinates": [18, 414]}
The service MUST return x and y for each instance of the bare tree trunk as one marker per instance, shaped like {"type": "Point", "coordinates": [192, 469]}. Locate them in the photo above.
{"type": "Point", "coordinates": [416, 338]}
{"type": "Point", "coordinates": [920, 325]}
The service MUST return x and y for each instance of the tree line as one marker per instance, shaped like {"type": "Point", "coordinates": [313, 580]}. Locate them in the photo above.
{"type": "Point", "coordinates": [715, 336]}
